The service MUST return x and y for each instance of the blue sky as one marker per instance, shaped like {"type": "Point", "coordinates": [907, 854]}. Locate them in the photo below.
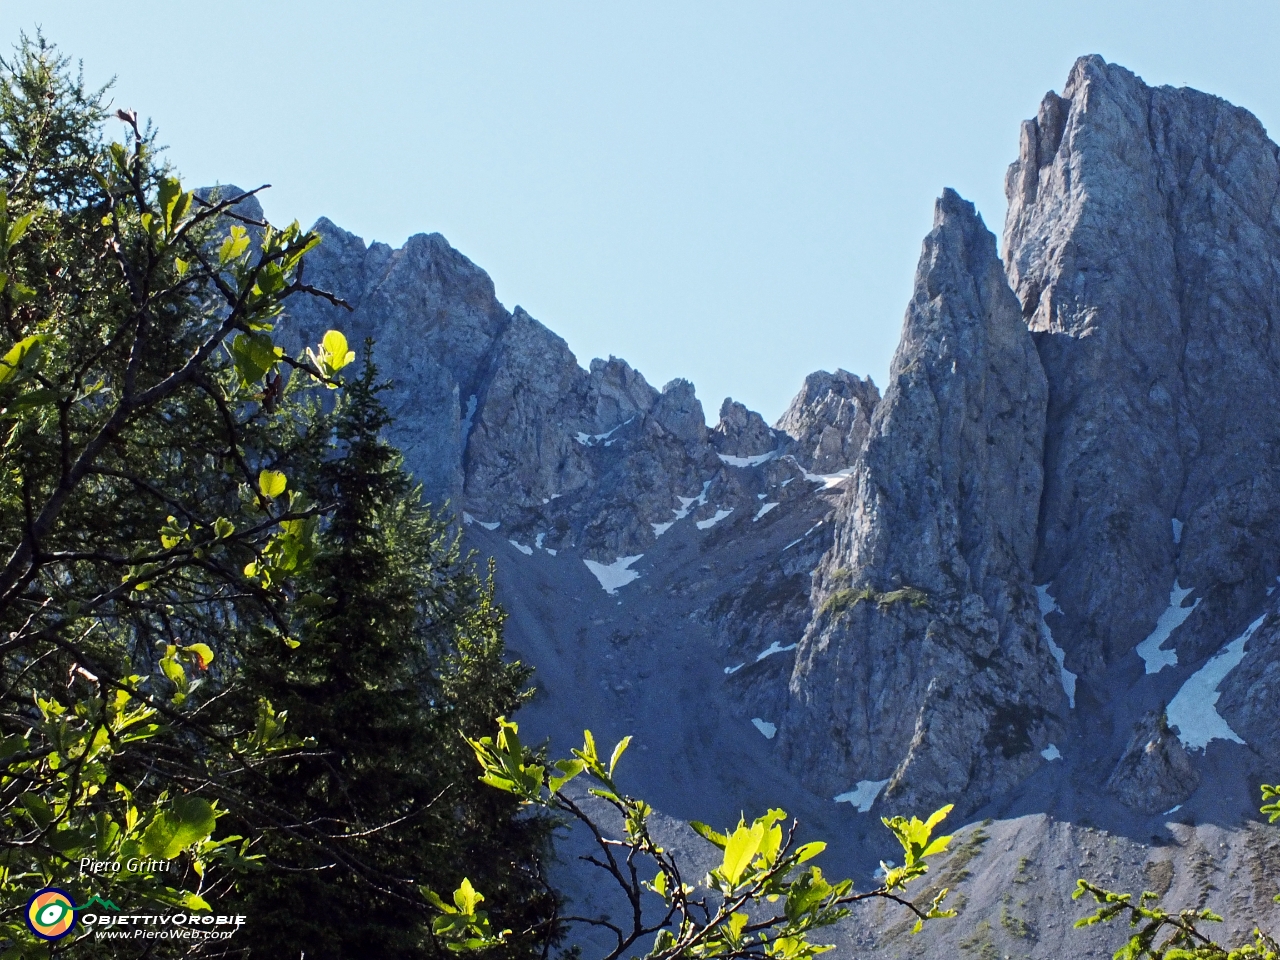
{"type": "Point", "coordinates": [734, 193]}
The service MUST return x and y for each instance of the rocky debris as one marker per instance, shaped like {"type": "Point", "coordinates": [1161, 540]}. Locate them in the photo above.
{"type": "Point", "coordinates": [741, 432]}
{"type": "Point", "coordinates": [1154, 774]}
{"type": "Point", "coordinates": [924, 662]}
{"type": "Point", "coordinates": [1143, 242]}
{"type": "Point", "coordinates": [829, 419]}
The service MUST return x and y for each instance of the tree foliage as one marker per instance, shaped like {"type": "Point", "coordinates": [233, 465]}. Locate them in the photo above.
{"type": "Point", "coordinates": [219, 625]}
{"type": "Point", "coordinates": [761, 901]}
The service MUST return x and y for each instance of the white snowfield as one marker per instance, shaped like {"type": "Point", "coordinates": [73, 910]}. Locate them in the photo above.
{"type": "Point", "coordinates": [1173, 617]}
{"type": "Point", "coordinates": [748, 461]}
{"type": "Point", "coordinates": [732, 670]}
{"type": "Point", "coordinates": [774, 648]}
{"type": "Point", "coordinates": [764, 508]}
{"type": "Point", "coordinates": [712, 521]}
{"type": "Point", "coordinates": [468, 518]}
{"type": "Point", "coordinates": [591, 439]}
{"type": "Point", "coordinates": [614, 575]}
{"type": "Point", "coordinates": [660, 528]}
{"type": "Point", "coordinates": [686, 503]}
{"type": "Point", "coordinates": [1051, 752]}
{"type": "Point", "coordinates": [527, 551]}
{"type": "Point", "coordinates": [1194, 709]}
{"type": "Point", "coordinates": [863, 795]}
{"type": "Point", "coordinates": [1049, 605]}
{"type": "Point", "coordinates": [765, 727]}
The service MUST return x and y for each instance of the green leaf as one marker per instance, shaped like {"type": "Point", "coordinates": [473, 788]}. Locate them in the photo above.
{"type": "Point", "coordinates": [660, 883]}
{"type": "Point", "coordinates": [704, 831]}
{"type": "Point", "coordinates": [272, 483]}
{"type": "Point", "coordinates": [17, 229]}
{"type": "Point", "coordinates": [22, 356]}
{"type": "Point", "coordinates": [335, 350]}
{"type": "Point", "coordinates": [740, 850]}
{"type": "Point", "coordinates": [223, 528]}
{"type": "Point", "coordinates": [234, 246]}
{"type": "Point", "coordinates": [202, 653]}
{"type": "Point", "coordinates": [254, 355]}
{"type": "Point", "coordinates": [809, 850]}
{"type": "Point", "coordinates": [568, 770]}
{"type": "Point", "coordinates": [186, 821]}
{"type": "Point", "coordinates": [618, 751]}
{"type": "Point", "coordinates": [467, 898]}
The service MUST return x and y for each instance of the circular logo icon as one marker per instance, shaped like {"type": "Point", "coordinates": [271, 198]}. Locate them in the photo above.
{"type": "Point", "coordinates": [51, 913]}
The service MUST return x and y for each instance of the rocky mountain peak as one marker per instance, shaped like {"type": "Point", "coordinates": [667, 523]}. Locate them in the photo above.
{"type": "Point", "coordinates": [927, 589]}
{"type": "Point", "coordinates": [829, 419]}
{"type": "Point", "coordinates": [1035, 577]}
{"type": "Point", "coordinates": [742, 432]}
{"type": "Point", "coordinates": [1132, 212]}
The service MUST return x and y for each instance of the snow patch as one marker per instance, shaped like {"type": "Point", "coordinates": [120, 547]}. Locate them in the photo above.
{"type": "Point", "coordinates": [829, 480]}
{"type": "Point", "coordinates": [772, 649]}
{"type": "Point", "coordinates": [730, 671]}
{"type": "Point", "coordinates": [468, 518]}
{"type": "Point", "coordinates": [712, 521]}
{"type": "Point", "coordinates": [1049, 605]}
{"type": "Point", "coordinates": [527, 551]}
{"type": "Point", "coordinates": [590, 439]}
{"type": "Point", "coordinates": [863, 795]}
{"type": "Point", "coordinates": [660, 528]}
{"type": "Point", "coordinates": [1173, 617]}
{"type": "Point", "coordinates": [1177, 531]}
{"type": "Point", "coordinates": [1171, 810]}
{"type": "Point", "coordinates": [552, 551]}
{"type": "Point", "coordinates": [763, 510]}
{"type": "Point", "coordinates": [686, 503]}
{"type": "Point", "coordinates": [1193, 711]}
{"type": "Point", "coordinates": [748, 461]}
{"type": "Point", "coordinates": [802, 536]}
{"type": "Point", "coordinates": [614, 575]}
{"type": "Point", "coordinates": [1051, 752]}
{"type": "Point", "coordinates": [765, 727]}
{"type": "Point", "coordinates": [538, 541]}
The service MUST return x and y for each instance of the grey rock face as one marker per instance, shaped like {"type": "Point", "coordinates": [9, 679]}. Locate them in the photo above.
{"type": "Point", "coordinates": [952, 697]}
{"type": "Point", "coordinates": [829, 419]}
{"type": "Point", "coordinates": [1143, 241]}
{"type": "Point", "coordinates": [495, 415]}
{"type": "Point", "coordinates": [1155, 773]}
{"type": "Point", "coordinates": [741, 432]}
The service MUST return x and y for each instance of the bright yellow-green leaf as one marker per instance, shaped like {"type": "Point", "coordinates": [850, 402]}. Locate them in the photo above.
{"type": "Point", "coordinates": [809, 851]}
{"type": "Point", "coordinates": [740, 850]}
{"type": "Point", "coordinates": [467, 898]}
{"type": "Point", "coordinates": [272, 483]}
{"type": "Point", "coordinates": [203, 654]}
{"type": "Point", "coordinates": [618, 751]}
{"type": "Point", "coordinates": [335, 350]}
{"type": "Point", "coordinates": [21, 357]}
{"type": "Point", "coordinates": [660, 884]}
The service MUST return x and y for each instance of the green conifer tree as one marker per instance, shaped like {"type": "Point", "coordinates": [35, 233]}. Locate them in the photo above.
{"type": "Point", "coordinates": [403, 660]}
